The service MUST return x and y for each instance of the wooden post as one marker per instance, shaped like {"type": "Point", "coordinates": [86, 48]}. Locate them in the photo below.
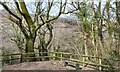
{"type": "Point", "coordinates": [100, 62]}
{"type": "Point", "coordinates": [21, 58]}
{"type": "Point", "coordinates": [3, 61]}
{"type": "Point", "coordinates": [61, 56]}
{"type": "Point", "coordinates": [50, 53]}
{"type": "Point", "coordinates": [53, 55]}
{"type": "Point", "coordinates": [83, 60]}
{"type": "Point", "coordinates": [11, 59]}
{"type": "Point", "coordinates": [70, 57]}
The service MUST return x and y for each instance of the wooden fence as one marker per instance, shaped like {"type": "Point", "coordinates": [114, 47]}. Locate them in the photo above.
{"type": "Point", "coordinates": [59, 56]}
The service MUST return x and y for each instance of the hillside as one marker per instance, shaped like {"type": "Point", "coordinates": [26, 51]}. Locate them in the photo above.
{"type": "Point", "coordinates": [39, 35]}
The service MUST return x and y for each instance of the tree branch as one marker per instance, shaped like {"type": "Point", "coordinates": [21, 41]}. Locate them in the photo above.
{"type": "Point", "coordinates": [50, 4]}
{"type": "Point", "coordinates": [20, 26]}
{"type": "Point", "coordinates": [27, 17]}
{"type": "Point", "coordinates": [9, 11]}
{"type": "Point", "coordinates": [39, 10]}
{"type": "Point", "coordinates": [51, 35]}
{"type": "Point", "coordinates": [18, 8]}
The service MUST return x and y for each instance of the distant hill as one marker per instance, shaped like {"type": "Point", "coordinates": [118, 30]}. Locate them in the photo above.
{"type": "Point", "coordinates": [65, 22]}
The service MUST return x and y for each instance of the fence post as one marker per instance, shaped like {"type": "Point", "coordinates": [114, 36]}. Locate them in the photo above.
{"type": "Point", "coordinates": [3, 61]}
{"type": "Point", "coordinates": [61, 56]}
{"type": "Point", "coordinates": [50, 54]}
{"type": "Point", "coordinates": [70, 57]}
{"type": "Point", "coordinates": [21, 59]}
{"type": "Point", "coordinates": [53, 55]}
{"type": "Point", "coordinates": [100, 62]}
{"type": "Point", "coordinates": [11, 59]}
{"type": "Point", "coordinates": [83, 60]}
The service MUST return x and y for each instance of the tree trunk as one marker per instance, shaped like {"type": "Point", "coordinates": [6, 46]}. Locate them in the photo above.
{"type": "Point", "coordinates": [85, 46]}
{"type": "Point", "coordinates": [30, 49]}
{"type": "Point", "coordinates": [118, 20]}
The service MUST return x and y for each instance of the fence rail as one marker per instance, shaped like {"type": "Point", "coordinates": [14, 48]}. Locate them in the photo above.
{"type": "Point", "coordinates": [60, 56]}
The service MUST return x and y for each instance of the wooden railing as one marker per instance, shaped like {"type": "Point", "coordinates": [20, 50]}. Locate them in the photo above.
{"type": "Point", "coordinates": [59, 56]}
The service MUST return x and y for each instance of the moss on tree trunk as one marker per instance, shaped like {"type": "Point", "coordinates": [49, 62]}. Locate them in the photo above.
{"type": "Point", "coordinates": [30, 49]}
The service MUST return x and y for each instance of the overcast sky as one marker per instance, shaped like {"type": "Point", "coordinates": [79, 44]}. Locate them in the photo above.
{"type": "Point", "coordinates": [54, 9]}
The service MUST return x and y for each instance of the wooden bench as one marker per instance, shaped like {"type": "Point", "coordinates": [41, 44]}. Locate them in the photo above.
{"type": "Point", "coordinates": [74, 65]}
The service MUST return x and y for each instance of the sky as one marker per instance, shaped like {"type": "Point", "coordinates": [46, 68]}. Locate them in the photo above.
{"type": "Point", "coordinates": [55, 9]}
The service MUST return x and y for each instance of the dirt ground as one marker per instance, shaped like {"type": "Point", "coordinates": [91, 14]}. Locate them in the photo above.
{"type": "Point", "coordinates": [43, 65]}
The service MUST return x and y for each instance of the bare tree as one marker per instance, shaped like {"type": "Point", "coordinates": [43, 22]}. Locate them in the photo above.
{"type": "Point", "coordinates": [31, 27]}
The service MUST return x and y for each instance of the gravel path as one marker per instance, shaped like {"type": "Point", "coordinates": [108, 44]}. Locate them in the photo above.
{"type": "Point", "coordinates": [43, 65]}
